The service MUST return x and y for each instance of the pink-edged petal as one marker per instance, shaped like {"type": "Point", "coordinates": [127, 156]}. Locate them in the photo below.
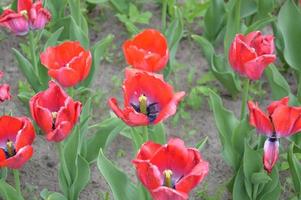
{"type": "Point", "coordinates": [197, 174]}
{"type": "Point", "coordinates": [259, 119]}
{"type": "Point", "coordinates": [286, 120]}
{"type": "Point", "coordinates": [17, 161]}
{"type": "Point", "coordinates": [165, 193]}
{"type": "Point", "coordinates": [148, 150]}
{"type": "Point", "coordinates": [131, 72]}
{"type": "Point", "coordinates": [60, 133]}
{"type": "Point", "coordinates": [169, 109]}
{"type": "Point", "coordinates": [254, 68]}
{"type": "Point", "coordinates": [43, 118]}
{"type": "Point", "coordinates": [4, 92]}
{"type": "Point", "coordinates": [26, 135]}
{"type": "Point", "coordinates": [270, 157]}
{"type": "Point", "coordinates": [128, 115]}
{"type": "Point", "coordinates": [67, 77]}
{"type": "Point", "coordinates": [250, 37]}
{"type": "Point", "coordinates": [148, 174]}
{"type": "Point", "coordinates": [275, 104]}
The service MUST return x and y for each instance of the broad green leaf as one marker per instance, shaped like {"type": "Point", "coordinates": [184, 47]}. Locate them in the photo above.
{"type": "Point", "coordinates": [207, 47]}
{"type": "Point", "coordinates": [252, 162]}
{"type": "Point", "coordinates": [265, 7]}
{"type": "Point", "coordinates": [53, 39]}
{"type": "Point", "coordinates": [260, 178]}
{"type": "Point", "coordinates": [82, 176]}
{"type": "Point", "coordinates": [214, 19]}
{"type": "Point", "coordinates": [122, 6]}
{"type": "Point", "coordinates": [8, 192]}
{"type": "Point", "coordinates": [122, 187]}
{"type": "Point", "coordinates": [97, 1]}
{"type": "Point", "coordinates": [279, 86]}
{"type": "Point", "coordinates": [233, 23]}
{"type": "Point", "coordinates": [105, 132]}
{"type": "Point", "coordinates": [225, 75]}
{"type": "Point", "coordinates": [270, 186]}
{"type": "Point", "coordinates": [248, 7]}
{"type": "Point", "coordinates": [291, 31]}
{"type": "Point", "coordinates": [239, 191]}
{"type": "Point", "coordinates": [262, 22]}
{"type": "Point", "coordinates": [225, 122]}
{"type": "Point", "coordinates": [47, 195]}
{"type": "Point", "coordinates": [174, 34]}
{"type": "Point", "coordinates": [273, 195]}
{"type": "Point", "coordinates": [295, 169]}
{"type": "Point", "coordinates": [27, 69]}
{"type": "Point", "coordinates": [57, 8]}
{"type": "Point", "coordinates": [98, 51]}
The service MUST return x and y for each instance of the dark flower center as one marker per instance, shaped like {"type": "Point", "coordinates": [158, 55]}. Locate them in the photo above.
{"type": "Point", "coordinates": [273, 138]}
{"type": "Point", "coordinates": [9, 149]}
{"type": "Point", "coordinates": [151, 110]}
{"type": "Point", "coordinates": [54, 115]}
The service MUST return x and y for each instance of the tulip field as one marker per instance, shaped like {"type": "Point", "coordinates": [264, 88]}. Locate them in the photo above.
{"type": "Point", "coordinates": [150, 100]}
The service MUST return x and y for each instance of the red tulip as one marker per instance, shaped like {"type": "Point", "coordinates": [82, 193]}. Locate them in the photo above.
{"type": "Point", "coordinates": [4, 92]}
{"type": "Point", "coordinates": [170, 171]}
{"type": "Point", "coordinates": [29, 15]}
{"type": "Point", "coordinates": [55, 112]}
{"type": "Point", "coordinates": [249, 55]}
{"type": "Point", "coordinates": [147, 51]}
{"type": "Point", "coordinates": [281, 120]}
{"type": "Point", "coordinates": [16, 137]}
{"type": "Point", "coordinates": [147, 99]}
{"type": "Point", "coordinates": [68, 63]}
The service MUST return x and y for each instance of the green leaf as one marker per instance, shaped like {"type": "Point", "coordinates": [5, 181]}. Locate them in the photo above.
{"type": "Point", "coordinates": [248, 7]}
{"type": "Point", "coordinates": [214, 19]}
{"type": "Point", "coordinates": [295, 169]}
{"type": "Point", "coordinates": [267, 190]}
{"type": "Point", "coordinates": [122, 187]}
{"type": "Point", "coordinates": [200, 145]}
{"type": "Point", "coordinates": [57, 8]}
{"type": "Point", "coordinates": [239, 191]}
{"type": "Point", "coordinates": [291, 31]}
{"type": "Point", "coordinates": [279, 86]}
{"type": "Point", "coordinates": [225, 122]}
{"type": "Point", "coordinates": [262, 22]}
{"type": "Point", "coordinates": [207, 47]}
{"type": "Point", "coordinates": [226, 76]}
{"type": "Point", "coordinates": [27, 70]}
{"type": "Point", "coordinates": [98, 51]}
{"type": "Point", "coordinates": [241, 132]}
{"type": "Point", "coordinates": [105, 132]}
{"type": "Point", "coordinates": [97, 1]}
{"type": "Point", "coordinates": [47, 195]}
{"type": "Point", "coordinates": [122, 6]}
{"type": "Point", "coordinates": [260, 178]}
{"type": "Point", "coordinates": [265, 7]}
{"type": "Point", "coordinates": [53, 39]}
{"type": "Point", "coordinates": [252, 162]}
{"type": "Point", "coordinates": [8, 192]}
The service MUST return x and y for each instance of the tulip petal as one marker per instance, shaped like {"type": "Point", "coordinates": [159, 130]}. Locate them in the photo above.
{"type": "Point", "coordinates": [259, 119]}
{"type": "Point", "coordinates": [254, 68]}
{"type": "Point", "coordinates": [9, 128]}
{"type": "Point", "coordinates": [60, 133]}
{"type": "Point", "coordinates": [147, 150]}
{"type": "Point", "coordinates": [17, 161]}
{"type": "Point", "coordinates": [275, 104]}
{"type": "Point", "coordinates": [165, 193]}
{"type": "Point", "coordinates": [24, 5]}
{"type": "Point", "coordinates": [270, 157]}
{"type": "Point", "coordinates": [26, 135]}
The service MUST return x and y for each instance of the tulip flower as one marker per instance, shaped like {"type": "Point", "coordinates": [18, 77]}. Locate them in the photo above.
{"type": "Point", "coordinates": [68, 63]}
{"type": "Point", "coordinates": [16, 137]}
{"type": "Point", "coordinates": [4, 92]}
{"type": "Point", "coordinates": [55, 112]}
{"type": "Point", "coordinates": [281, 120]}
{"type": "Point", "coordinates": [249, 55]}
{"type": "Point", "coordinates": [147, 51]}
{"type": "Point", "coordinates": [29, 15]}
{"type": "Point", "coordinates": [147, 99]}
{"type": "Point", "coordinates": [170, 171]}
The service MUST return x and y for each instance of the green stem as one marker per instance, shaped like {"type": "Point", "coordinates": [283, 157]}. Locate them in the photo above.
{"type": "Point", "coordinates": [63, 162]}
{"type": "Point", "coordinates": [32, 47]}
{"type": "Point", "coordinates": [17, 181]}
{"type": "Point", "coordinates": [145, 133]}
{"type": "Point", "coordinates": [164, 11]}
{"type": "Point", "coordinates": [246, 84]}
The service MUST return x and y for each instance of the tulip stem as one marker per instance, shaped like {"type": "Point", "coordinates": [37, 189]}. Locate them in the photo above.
{"type": "Point", "coordinates": [255, 190]}
{"type": "Point", "coordinates": [164, 11]}
{"type": "Point", "coordinates": [246, 84]}
{"type": "Point", "coordinates": [32, 47]}
{"type": "Point", "coordinates": [17, 181]}
{"type": "Point", "coordinates": [63, 162]}
{"type": "Point", "coordinates": [145, 133]}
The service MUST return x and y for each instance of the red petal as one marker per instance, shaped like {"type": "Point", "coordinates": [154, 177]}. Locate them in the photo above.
{"type": "Point", "coordinates": [259, 120]}
{"type": "Point", "coordinates": [270, 156]}
{"type": "Point", "coordinates": [165, 193]}
{"type": "Point", "coordinates": [24, 5]}
{"type": "Point", "coordinates": [197, 174]}
{"type": "Point", "coordinates": [131, 72]}
{"type": "Point", "coordinates": [128, 115]}
{"type": "Point", "coordinates": [15, 22]}
{"type": "Point", "coordinates": [250, 37]}
{"type": "Point", "coordinates": [148, 174]}
{"type": "Point", "coordinates": [169, 109]}
{"type": "Point", "coordinates": [4, 92]}
{"type": "Point", "coordinates": [26, 135]}
{"type": "Point", "coordinates": [9, 128]}
{"type": "Point", "coordinates": [254, 68]}
{"type": "Point", "coordinates": [286, 120]}
{"type": "Point", "coordinates": [17, 161]}
{"type": "Point", "coordinates": [148, 150]}
{"type": "Point", "coordinates": [39, 16]}
{"type": "Point", "coordinates": [282, 102]}
{"type": "Point", "coordinates": [60, 133]}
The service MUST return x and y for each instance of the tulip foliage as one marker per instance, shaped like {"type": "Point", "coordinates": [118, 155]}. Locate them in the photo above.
{"type": "Point", "coordinates": [258, 65]}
